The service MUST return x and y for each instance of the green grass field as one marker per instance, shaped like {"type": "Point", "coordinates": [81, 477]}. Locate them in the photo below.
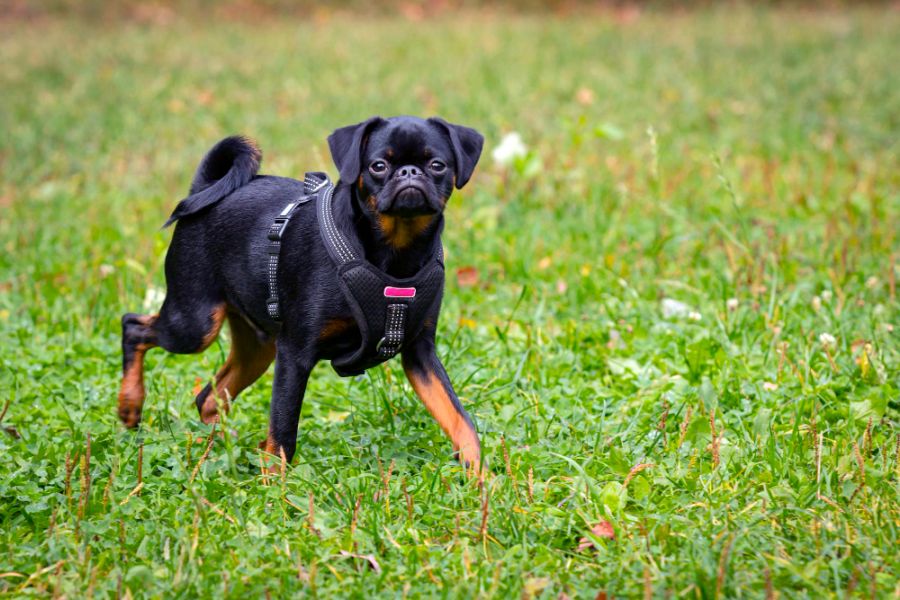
{"type": "Point", "coordinates": [743, 443]}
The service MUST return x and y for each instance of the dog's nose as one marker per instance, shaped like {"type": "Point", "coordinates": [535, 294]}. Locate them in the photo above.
{"type": "Point", "coordinates": [408, 172]}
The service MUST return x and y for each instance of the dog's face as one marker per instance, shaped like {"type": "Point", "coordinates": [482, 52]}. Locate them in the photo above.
{"type": "Point", "coordinates": [405, 167]}
{"type": "Point", "coordinates": [407, 170]}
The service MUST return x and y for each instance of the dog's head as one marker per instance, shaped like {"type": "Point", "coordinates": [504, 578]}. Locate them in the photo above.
{"type": "Point", "coordinates": [405, 168]}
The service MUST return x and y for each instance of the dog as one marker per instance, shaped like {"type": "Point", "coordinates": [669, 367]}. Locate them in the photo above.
{"type": "Point", "coordinates": [384, 216]}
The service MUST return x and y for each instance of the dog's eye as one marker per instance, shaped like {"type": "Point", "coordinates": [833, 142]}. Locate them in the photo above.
{"type": "Point", "coordinates": [437, 166]}
{"type": "Point", "coordinates": [379, 167]}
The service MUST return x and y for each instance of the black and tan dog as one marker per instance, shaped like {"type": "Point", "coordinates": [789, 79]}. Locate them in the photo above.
{"type": "Point", "coordinates": [396, 176]}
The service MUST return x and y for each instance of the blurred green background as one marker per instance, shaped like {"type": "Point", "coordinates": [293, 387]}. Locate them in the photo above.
{"type": "Point", "coordinates": [692, 266]}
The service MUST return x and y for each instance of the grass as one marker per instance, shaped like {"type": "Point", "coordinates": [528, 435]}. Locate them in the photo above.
{"type": "Point", "coordinates": [743, 163]}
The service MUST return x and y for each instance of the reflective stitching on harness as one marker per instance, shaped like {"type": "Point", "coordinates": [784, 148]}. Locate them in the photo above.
{"type": "Point", "coordinates": [337, 242]}
{"type": "Point", "coordinates": [276, 231]}
{"type": "Point", "coordinates": [337, 234]}
{"type": "Point", "coordinates": [394, 330]}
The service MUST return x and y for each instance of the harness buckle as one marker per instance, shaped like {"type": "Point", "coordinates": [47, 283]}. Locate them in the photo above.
{"type": "Point", "coordinates": [319, 186]}
{"type": "Point", "coordinates": [313, 182]}
{"type": "Point", "coordinates": [277, 228]}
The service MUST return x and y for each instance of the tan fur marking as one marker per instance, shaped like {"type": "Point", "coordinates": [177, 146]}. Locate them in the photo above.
{"type": "Point", "coordinates": [400, 233]}
{"type": "Point", "coordinates": [254, 147]}
{"type": "Point", "coordinates": [387, 225]}
{"type": "Point", "coordinates": [335, 327]}
{"type": "Point", "coordinates": [247, 360]}
{"type": "Point", "coordinates": [218, 317]}
{"type": "Point", "coordinates": [270, 447]}
{"type": "Point", "coordinates": [436, 399]}
{"type": "Point", "coordinates": [131, 392]}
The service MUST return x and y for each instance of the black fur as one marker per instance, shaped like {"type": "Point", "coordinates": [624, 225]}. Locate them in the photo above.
{"type": "Point", "coordinates": [466, 144]}
{"type": "Point", "coordinates": [218, 254]}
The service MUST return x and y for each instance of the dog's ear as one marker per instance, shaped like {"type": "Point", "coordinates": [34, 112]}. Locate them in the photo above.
{"type": "Point", "coordinates": [466, 143]}
{"type": "Point", "coordinates": [346, 146]}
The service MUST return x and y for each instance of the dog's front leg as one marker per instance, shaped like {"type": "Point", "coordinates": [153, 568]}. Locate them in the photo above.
{"type": "Point", "coordinates": [292, 368]}
{"type": "Point", "coordinates": [429, 379]}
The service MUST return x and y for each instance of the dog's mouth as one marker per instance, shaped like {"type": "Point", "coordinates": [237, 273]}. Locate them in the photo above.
{"type": "Point", "coordinates": [411, 200]}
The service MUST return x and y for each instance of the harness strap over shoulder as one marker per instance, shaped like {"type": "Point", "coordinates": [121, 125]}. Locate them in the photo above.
{"type": "Point", "coordinates": [313, 183]}
{"type": "Point", "coordinates": [338, 247]}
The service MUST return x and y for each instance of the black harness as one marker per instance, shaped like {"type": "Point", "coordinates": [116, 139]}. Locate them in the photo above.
{"type": "Point", "coordinates": [387, 310]}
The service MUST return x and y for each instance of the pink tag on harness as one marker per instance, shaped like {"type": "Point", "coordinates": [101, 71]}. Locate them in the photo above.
{"type": "Point", "coordinates": [398, 292]}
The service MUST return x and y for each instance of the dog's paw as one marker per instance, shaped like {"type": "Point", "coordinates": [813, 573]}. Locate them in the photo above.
{"type": "Point", "coordinates": [130, 415]}
{"type": "Point", "coordinates": [470, 461]}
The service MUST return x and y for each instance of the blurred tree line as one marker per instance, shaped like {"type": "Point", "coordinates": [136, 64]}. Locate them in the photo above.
{"type": "Point", "coordinates": [161, 11]}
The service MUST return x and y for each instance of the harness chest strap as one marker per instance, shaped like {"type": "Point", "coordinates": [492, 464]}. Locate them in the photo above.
{"type": "Point", "coordinates": [387, 311]}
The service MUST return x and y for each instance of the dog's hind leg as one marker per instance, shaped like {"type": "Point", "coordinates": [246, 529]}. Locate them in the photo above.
{"type": "Point", "coordinates": [248, 359]}
{"type": "Point", "coordinates": [174, 329]}
{"type": "Point", "coordinates": [137, 337]}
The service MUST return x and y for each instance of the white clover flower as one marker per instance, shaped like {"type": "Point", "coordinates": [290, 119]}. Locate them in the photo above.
{"type": "Point", "coordinates": [153, 299]}
{"type": "Point", "coordinates": [674, 308]}
{"type": "Point", "coordinates": [816, 303]}
{"type": "Point", "coordinates": [509, 149]}
{"type": "Point", "coordinates": [826, 295]}
{"type": "Point", "coordinates": [106, 270]}
{"type": "Point", "coordinates": [827, 340]}
{"type": "Point", "coordinates": [872, 282]}
{"type": "Point", "coordinates": [769, 386]}
{"type": "Point", "coordinates": [732, 304]}
{"type": "Point", "coordinates": [694, 315]}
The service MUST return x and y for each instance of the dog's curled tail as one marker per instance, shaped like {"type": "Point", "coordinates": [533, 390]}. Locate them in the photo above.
{"type": "Point", "coordinates": [230, 164]}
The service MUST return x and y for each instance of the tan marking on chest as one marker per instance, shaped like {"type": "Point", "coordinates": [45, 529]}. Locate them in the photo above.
{"type": "Point", "coordinates": [400, 233]}
{"type": "Point", "coordinates": [335, 327]}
